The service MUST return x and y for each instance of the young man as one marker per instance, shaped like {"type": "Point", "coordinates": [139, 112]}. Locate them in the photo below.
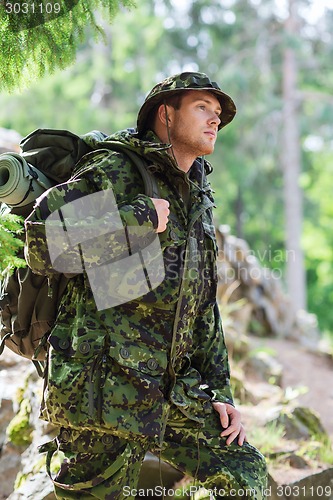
{"type": "Point", "coordinates": [149, 373]}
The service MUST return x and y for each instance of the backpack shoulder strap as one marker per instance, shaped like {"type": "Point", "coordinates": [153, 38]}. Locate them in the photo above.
{"type": "Point", "coordinates": [149, 180]}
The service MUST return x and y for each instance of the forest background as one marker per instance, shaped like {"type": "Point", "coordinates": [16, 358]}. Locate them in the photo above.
{"type": "Point", "coordinates": [273, 166]}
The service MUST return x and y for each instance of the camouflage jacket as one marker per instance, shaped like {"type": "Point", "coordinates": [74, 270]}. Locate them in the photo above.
{"type": "Point", "coordinates": [119, 369]}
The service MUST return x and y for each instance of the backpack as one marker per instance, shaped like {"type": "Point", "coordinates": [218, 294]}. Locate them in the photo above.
{"type": "Point", "coordinates": [29, 302]}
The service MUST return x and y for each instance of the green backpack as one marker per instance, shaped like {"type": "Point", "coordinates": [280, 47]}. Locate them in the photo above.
{"type": "Point", "coordinates": [28, 305]}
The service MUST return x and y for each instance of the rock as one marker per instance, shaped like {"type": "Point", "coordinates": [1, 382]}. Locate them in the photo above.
{"type": "Point", "coordinates": [6, 415]}
{"type": "Point", "coordinates": [315, 487]}
{"type": "Point", "coordinates": [241, 316]}
{"type": "Point", "coordinates": [38, 487]}
{"type": "Point", "coordinates": [11, 374]}
{"type": "Point", "coordinates": [273, 490]}
{"type": "Point", "coordinates": [271, 309]}
{"type": "Point", "coordinates": [301, 423]}
{"type": "Point", "coordinates": [265, 367]}
{"type": "Point", "coordinates": [311, 420]}
{"type": "Point", "coordinates": [261, 392]}
{"type": "Point", "coordinates": [237, 343]}
{"type": "Point", "coordinates": [240, 389]}
{"type": "Point", "coordinates": [10, 463]}
{"type": "Point", "coordinates": [306, 330]}
{"type": "Point", "coordinates": [297, 461]}
{"type": "Point", "coordinates": [19, 430]}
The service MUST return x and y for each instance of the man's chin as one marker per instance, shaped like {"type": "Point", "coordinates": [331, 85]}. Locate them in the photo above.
{"type": "Point", "coordinates": [207, 150]}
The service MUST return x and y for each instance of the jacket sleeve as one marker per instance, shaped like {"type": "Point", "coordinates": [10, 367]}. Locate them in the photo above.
{"type": "Point", "coordinates": [102, 209]}
{"type": "Point", "coordinates": [211, 356]}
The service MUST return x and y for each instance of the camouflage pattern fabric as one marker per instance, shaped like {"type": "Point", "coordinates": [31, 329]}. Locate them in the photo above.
{"type": "Point", "coordinates": [136, 359]}
{"type": "Point", "coordinates": [110, 469]}
{"type": "Point", "coordinates": [120, 371]}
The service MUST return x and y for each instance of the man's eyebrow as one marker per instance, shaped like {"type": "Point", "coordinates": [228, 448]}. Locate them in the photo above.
{"type": "Point", "coordinates": [208, 101]}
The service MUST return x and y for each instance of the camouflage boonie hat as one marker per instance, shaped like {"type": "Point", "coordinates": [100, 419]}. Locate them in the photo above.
{"type": "Point", "coordinates": [181, 82]}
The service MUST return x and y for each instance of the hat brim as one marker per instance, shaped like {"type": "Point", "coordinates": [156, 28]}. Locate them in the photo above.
{"type": "Point", "coordinates": [227, 105]}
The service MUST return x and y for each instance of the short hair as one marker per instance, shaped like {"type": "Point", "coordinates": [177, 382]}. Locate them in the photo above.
{"type": "Point", "coordinates": [174, 101]}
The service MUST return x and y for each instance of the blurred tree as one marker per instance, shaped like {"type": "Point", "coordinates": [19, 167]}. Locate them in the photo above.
{"type": "Point", "coordinates": [300, 40]}
{"type": "Point", "coordinates": [291, 161]}
{"type": "Point", "coordinates": [39, 37]}
{"type": "Point", "coordinates": [318, 235]}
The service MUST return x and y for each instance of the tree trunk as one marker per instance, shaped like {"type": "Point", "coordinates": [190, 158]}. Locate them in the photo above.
{"type": "Point", "coordinates": [291, 162]}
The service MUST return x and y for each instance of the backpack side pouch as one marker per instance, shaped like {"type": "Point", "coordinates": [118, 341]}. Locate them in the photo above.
{"type": "Point", "coordinates": [28, 311]}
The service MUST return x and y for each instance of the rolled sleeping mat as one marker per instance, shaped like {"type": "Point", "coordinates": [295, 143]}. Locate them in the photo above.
{"type": "Point", "coordinates": [20, 183]}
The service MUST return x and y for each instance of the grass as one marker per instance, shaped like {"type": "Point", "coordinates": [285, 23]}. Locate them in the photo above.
{"type": "Point", "coordinates": [267, 439]}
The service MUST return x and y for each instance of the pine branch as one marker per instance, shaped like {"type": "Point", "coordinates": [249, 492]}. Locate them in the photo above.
{"type": "Point", "coordinates": [38, 37]}
{"type": "Point", "coordinates": [11, 227]}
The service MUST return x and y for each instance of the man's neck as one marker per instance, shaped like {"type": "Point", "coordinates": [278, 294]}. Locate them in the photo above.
{"type": "Point", "coordinates": [183, 161]}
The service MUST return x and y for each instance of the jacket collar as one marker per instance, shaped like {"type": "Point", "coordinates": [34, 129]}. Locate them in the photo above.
{"type": "Point", "coordinates": [155, 151]}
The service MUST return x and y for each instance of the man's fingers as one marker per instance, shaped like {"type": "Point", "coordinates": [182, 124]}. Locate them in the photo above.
{"type": "Point", "coordinates": [242, 437]}
{"type": "Point", "coordinates": [224, 418]}
{"type": "Point", "coordinates": [232, 432]}
{"type": "Point", "coordinates": [232, 437]}
{"type": "Point", "coordinates": [231, 422]}
{"type": "Point", "coordinates": [162, 209]}
{"type": "Point", "coordinates": [222, 411]}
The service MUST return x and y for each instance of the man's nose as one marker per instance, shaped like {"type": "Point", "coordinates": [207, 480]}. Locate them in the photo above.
{"type": "Point", "coordinates": [215, 119]}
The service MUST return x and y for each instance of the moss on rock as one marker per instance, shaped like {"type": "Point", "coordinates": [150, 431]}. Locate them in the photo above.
{"type": "Point", "coordinates": [19, 430]}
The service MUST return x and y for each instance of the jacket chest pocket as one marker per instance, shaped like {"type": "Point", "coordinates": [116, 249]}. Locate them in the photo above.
{"type": "Point", "coordinates": [210, 238]}
{"type": "Point", "coordinates": [174, 235]}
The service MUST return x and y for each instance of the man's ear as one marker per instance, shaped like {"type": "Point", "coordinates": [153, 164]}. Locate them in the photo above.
{"type": "Point", "coordinates": [165, 114]}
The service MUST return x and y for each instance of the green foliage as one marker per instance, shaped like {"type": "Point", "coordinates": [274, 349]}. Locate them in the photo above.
{"type": "Point", "coordinates": [271, 441]}
{"type": "Point", "coordinates": [29, 50]}
{"type": "Point", "coordinates": [19, 429]}
{"type": "Point", "coordinates": [318, 236]}
{"type": "Point", "coordinates": [268, 439]}
{"type": "Point", "coordinates": [321, 450]}
{"type": "Point", "coordinates": [10, 226]}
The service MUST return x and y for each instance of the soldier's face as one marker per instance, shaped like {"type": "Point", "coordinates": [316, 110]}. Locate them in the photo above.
{"type": "Point", "coordinates": [193, 127]}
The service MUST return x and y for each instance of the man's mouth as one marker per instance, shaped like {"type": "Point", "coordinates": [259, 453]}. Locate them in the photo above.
{"type": "Point", "coordinates": [211, 133]}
